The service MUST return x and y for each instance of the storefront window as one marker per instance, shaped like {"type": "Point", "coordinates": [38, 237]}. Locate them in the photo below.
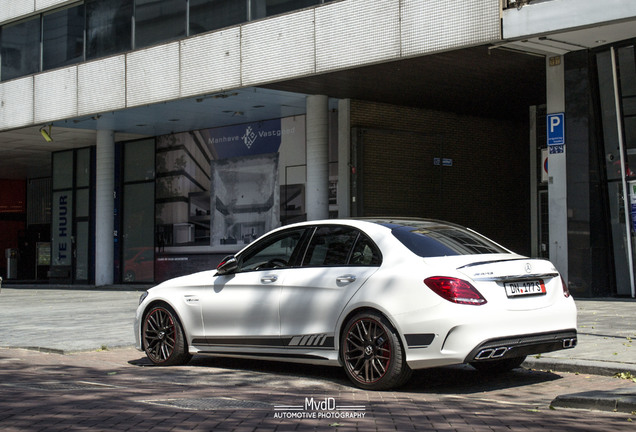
{"type": "Point", "coordinates": [159, 21]}
{"type": "Point", "coordinates": [63, 37]}
{"type": "Point", "coordinates": [138, 239]}
{"type": "Point", "coordinates": [108, 27]}
{"type": "Point", "coordinates": [206, 15]}
{"type": "Point", "coordinates": [221, 188]}
{"type": "Point", "coordinates": [20, 49]}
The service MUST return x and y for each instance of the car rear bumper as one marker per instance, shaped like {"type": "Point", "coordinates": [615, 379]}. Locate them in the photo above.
{"type": "Point", "coordinates": [522, 345]}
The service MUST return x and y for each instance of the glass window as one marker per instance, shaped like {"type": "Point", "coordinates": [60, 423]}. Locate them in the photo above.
{"type": "Point", "coordinates": [139, 160]}
{"type": "Point", "coordinates": [330, 245]}
{"type": "Point", "coordinates": [138, 232]}
{"type": "Point", "coordinates": [83, 169]}
{"type": "Point", "coordinates": [63, 170]}
{"type": "Point", "coordinates": [206, 15]}
{"type": "Point", "coordinates": [275, 252]}
{"type": "Point", "coordinates": [20, 49]}
{"type": "Point", "coordinates": [365, 252]}
{"type": "Point", "coordinates": [63, 37]}
{"type": "Point", "coordinates": [159, 21]}
{"type": "Point", "coordinates": [265, 8]}
{"type": "Point", "coordinates": [432, 239]}
{"type": "Point", "coordinates": [108, 27]}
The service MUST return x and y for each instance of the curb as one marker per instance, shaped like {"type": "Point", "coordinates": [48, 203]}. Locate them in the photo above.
{"type": "Point", "coordinates": [580, 366]}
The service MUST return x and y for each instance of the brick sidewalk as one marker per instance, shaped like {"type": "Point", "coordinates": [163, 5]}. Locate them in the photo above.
{"type": "Point", "coordinates": [119, 390]}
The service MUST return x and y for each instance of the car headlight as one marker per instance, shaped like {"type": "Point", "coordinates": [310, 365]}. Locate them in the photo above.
{"type": "Point", "coordinates": [143, 297]}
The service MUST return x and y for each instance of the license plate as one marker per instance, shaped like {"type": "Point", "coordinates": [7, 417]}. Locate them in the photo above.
{"type": "Point", "coordinates": [523, 288]}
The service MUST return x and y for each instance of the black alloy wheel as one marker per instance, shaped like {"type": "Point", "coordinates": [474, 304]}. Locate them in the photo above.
{"type": "Point", "coordinates": [372, 353]}
{"type": "Point", "coordinates": [163, 339]}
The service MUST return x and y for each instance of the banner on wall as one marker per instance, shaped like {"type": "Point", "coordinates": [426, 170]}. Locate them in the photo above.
{"type": "Point", "coordinates": [247, 139]}
{"type": "Point", "coordinates": [62, 248]}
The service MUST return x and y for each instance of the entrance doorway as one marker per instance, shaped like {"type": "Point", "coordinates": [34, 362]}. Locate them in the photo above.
{"type": "Point", "coordinates": [616, 69]}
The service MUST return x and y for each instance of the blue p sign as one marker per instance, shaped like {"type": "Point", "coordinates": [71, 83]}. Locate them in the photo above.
{"type": "Point", "coordinates": [556, 129]}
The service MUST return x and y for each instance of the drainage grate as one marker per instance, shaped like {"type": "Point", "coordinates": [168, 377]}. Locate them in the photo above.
{"type": "Point", "coordinates": [61, 386]}
{"type": "Point", "coordinates": [209, 404]}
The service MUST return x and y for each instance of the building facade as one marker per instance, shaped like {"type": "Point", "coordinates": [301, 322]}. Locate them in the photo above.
{"type": "Point", "coordinates": [145, 139]}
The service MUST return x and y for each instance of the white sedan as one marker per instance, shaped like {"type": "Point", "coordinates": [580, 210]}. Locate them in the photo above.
{"type": "Point", "coordinates": [379, 297]}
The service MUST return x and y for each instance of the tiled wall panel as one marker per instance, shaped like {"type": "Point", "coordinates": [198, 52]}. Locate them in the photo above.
{"type": "Point", "coordinates": [211, 62]}
{"type": "Point", "coordinates": [152, 75]}
{"type": "Point", "coordinates": [16, 100]}
{"type": "Point", "coordinates": [55, 95]}
{"type": "Point", "coordinates": [10, 9]}
{"type": "Point", "coordinates": [278, 48]}
{"type": "Point", "coordinates": [45, 4]}
{"type": "Point", "coordinates": [101, 85]}
{"type": "Point", "coordinates": [436, 25]}
{"type": "Point", "coordinates": [357, 32]}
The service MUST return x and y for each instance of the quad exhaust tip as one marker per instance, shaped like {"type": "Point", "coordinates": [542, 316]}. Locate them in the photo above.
{"type": "Point", "coordinates": [491, 353]}
{"type": "Point", "coordinates": [569, 343]}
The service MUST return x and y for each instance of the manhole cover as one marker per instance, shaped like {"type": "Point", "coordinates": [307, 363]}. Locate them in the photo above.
{"type": "Point", "coordinates": [209, 404]}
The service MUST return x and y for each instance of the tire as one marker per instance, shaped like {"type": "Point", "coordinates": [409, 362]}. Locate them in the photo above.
{"type": "Point", "coordinates": [372, 353]}
{"type": "Point", "coordinates": [499, 366]}
{"type": "Point", "coordinates": [163, 338]}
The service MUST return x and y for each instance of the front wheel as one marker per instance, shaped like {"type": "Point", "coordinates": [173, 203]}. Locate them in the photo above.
{"type": "Point", "coordinates": [372, 353]}
{"type": "Point", "coordinates": [163, 338]}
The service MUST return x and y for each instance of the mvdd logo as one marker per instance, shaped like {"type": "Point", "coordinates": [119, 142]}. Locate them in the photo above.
{"type": "Point", "coordinates": [327, 404]}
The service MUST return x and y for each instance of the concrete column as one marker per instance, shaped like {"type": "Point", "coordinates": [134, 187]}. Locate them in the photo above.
{"type": "Point", "coordinates": [104, 207]}
{"type": "Point", "coordinates": [317, 189]}
{"type": "Point", "coordinates": [557, 174]}
{"type": "Point", "coordinates": [344, 158]}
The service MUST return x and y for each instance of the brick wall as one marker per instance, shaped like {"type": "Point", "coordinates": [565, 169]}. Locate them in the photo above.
{"type": "Point", "coordinates": [486, 188]}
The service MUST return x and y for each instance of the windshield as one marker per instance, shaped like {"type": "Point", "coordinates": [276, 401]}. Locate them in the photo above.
{"type": "Point", "coordinates": [433, 239]}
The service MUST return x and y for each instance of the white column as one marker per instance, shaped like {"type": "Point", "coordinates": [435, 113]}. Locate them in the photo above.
{"type": "Point", "coordinates": [317, 189]}
{"type": "Point", "coordinates": [344, 158]}
{"type": "Point", "coordinates": [104, 207]}
{"type": "Point", "coordinates": [557, 175]}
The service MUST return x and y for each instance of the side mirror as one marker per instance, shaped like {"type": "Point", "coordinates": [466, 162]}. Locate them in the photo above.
{"type": "Point", "coordinates": [227, 265]}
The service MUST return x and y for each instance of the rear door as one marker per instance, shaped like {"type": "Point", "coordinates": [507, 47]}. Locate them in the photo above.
{"type": "Point", "coordinates": [337, 262]}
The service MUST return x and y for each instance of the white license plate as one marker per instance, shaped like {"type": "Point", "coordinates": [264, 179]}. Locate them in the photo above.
{"type": "Point", "coordinates": [523, 288]}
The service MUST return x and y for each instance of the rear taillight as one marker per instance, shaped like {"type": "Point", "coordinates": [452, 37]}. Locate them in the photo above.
{"type": "Point", "coordinates": [566, 291]}
{"type": "Point", "coordinates": [455, 290]}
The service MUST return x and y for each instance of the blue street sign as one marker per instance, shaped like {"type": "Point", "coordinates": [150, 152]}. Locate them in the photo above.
{"type": "Point", "coordinates": [556, 129]}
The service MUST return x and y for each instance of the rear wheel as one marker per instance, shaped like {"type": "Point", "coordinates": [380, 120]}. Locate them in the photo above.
{"type": "Point", "coordinates": [499, 366]}
{"type": "Point", "coordinates": [163, 337]}
{"type": "Point", "coordinates": [373, 354]}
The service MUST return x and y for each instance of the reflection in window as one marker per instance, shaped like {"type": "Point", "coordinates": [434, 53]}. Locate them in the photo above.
{"type": "Point", "coordinates": [63, 37]}
{"type": "Point", "coordinates": [330, 246]}
{"type": "Point", "coordinates": [108, 27]}
{"type": "Point", "coordinates": [265, 8]}
{"type": "Point", "coordinates": [159, 21]}
{"type": "Point", "coordinates": [140, 160]}
{"type": "Point", "coordinates": [20, 49]}
{"type": "Point", "coordinates": [206, 15]}
{"type": "Point", "coordinates": [275, 253]}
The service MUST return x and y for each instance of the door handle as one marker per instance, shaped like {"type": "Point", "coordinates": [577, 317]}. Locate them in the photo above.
{"type": "Point", "coordinates": [269, 279]}
{"type": "Point", "coordinates": [346, 278]}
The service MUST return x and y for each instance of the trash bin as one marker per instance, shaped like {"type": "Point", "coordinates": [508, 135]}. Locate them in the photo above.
{"type": "Point", "coordinates": [12, 263]}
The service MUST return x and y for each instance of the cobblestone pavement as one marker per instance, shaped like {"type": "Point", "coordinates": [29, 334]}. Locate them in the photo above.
{"type": "Point", "coordinates": [119, 390]}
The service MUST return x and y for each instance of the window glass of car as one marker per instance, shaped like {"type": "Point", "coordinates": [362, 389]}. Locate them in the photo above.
{"type": "Point", "coordinates": [276, 251]}
{"type": "Point", "coordinates": [340, 245]}
{"type": "Point", "coordinates": [432, 239]}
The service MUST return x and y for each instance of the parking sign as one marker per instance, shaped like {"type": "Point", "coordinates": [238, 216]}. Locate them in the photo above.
{"type": "Point", "coordinates": [556, 129]}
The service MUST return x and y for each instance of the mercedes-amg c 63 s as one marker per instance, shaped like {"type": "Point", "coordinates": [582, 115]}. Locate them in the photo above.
{"type": "Point", "coordinates": [379, 297]}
